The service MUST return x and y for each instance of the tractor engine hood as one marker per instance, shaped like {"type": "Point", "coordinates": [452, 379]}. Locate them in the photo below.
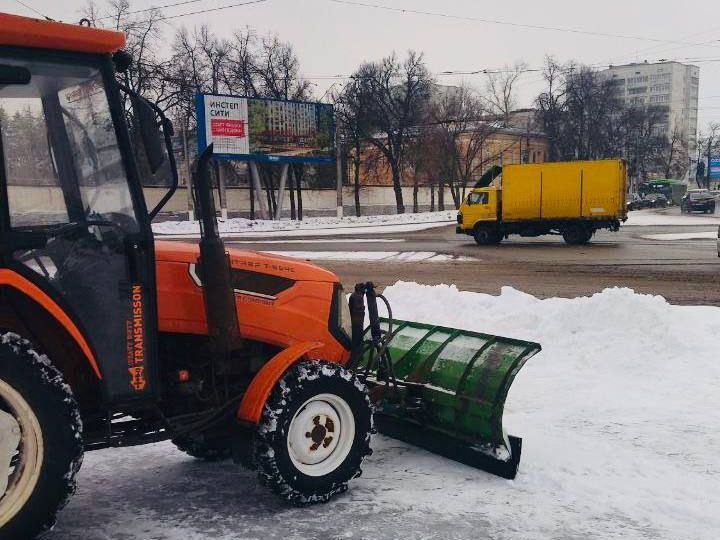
{"type": "Point", "coordinates": [279, 301]}
{"type": "Point", "coordinates": [254, 261]}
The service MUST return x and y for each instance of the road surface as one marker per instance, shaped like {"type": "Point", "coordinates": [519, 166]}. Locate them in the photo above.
{"type": "Point", "coordinates": [684, 271]}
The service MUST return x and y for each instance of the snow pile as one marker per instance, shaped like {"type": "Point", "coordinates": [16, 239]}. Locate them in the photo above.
{"type": "Point", "coordinates": [316, 226]}
{"type": "Point", "coordinates": [619, 413]}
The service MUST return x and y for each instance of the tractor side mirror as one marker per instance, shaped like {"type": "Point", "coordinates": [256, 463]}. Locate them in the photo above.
{"type": "Point", "coordinates": [14, 75]}
{"type": "Point", "coordinates": [152, 137]}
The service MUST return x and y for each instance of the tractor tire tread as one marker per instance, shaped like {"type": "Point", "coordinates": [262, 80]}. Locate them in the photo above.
{"type": "Point", "coordinates": [275, 471]}
{"type": "Point", "coordinates": [42, 385]}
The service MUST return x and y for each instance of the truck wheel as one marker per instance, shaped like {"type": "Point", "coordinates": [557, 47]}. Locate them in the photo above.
{"type": "Point", "coordinates": [41, 444]}
{"type": "Point", "coordinates": [314, 433]}
{"type": "Point", "coordinates": [201, 447]}
{"type": "Point", "coordinates": [576, 234]}
{"type": "Point", "coordinates": [485, 236]}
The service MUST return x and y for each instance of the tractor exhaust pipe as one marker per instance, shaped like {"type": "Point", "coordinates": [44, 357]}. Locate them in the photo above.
{"type": "Point", "coordinates": [357, 320]}
{"type": "Point", "coordinates": [214, 266]}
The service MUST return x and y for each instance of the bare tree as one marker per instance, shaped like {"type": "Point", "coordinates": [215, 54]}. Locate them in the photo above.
{"type": "Point", "coordinates": [550, 106]}
{"type": "Point", "coordinates": [500, 87]}
{"type": "Point", "coordinates": [278, 70]}
{"type": "Point", "coordinates": [351, 109]}
{"type": "Point", "coordinates": [398, 95]}
{"type": "Point", "coordinates": [641, 133]}
{"type": "Point", "coordinates": [672, 155]}
{"type": "Point", "coordinates": [462, 127]}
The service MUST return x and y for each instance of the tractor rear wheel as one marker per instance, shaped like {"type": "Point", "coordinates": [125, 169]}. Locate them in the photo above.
{"type": "Point", "coordinates": [41, 446]}
{"type": "Point", "coordinates": [314, 432]}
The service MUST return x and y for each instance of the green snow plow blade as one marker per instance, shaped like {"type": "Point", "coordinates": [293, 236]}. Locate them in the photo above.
{"type": "Point", "coordinates": [444, 390]}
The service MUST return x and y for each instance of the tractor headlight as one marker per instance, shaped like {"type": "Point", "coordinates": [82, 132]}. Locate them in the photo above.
{"type": "Point", "coordinates": [340, 324]}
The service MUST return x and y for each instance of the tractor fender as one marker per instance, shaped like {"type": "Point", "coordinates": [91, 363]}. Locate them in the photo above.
{"type": "Point", "coordinates": [251, 406]}
{"type": "Point", "coordinates": [26, 287]}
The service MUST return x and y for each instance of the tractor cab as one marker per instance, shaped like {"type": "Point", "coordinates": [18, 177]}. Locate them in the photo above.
{"type": "Point", "coordinates": [73, 223]}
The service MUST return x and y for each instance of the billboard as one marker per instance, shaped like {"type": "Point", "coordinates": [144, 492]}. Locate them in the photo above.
{"type": "Point", "coordinates": [714, 173]}
{"type": "Point", "coordinates": [265, 129]}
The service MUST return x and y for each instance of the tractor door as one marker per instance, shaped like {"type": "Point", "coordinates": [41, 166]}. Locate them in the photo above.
{"type": "Point", "coordinates": [73, 217]}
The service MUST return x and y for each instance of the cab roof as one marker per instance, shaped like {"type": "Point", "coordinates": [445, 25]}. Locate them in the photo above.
{"type": "Point", "coordinates": [40, 34]}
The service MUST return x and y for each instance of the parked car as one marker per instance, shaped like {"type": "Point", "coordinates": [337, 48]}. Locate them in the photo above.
{"type": "Point", "coordinates": [636, 202]}
{"type": "Point", "coordinates": [656, 200]}
{"type": "Point", "coordinates": [718, 241]}
{"type": "Point", "coordinates": [698, 200]}
{"type": "Point", "coordinates": [633, 201]}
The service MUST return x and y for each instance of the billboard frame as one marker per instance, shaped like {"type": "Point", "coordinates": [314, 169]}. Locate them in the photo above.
{"type": "Point", "coordinates": [713, 168]}
{"type": "Point", "coordinates": [266, 158]}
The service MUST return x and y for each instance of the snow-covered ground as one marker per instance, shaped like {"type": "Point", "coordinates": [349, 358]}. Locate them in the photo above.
{"type": "Point", "coordinates": [619, 414]}
{"type": "Point", "coordinates": [377, 256]}
{"type": "Point", "coordinates": [696, 235]}
{"type": "Point", "coordinates": [391, 223]}
{"type": "Point", "coordinates": [651, 218]}
{"type": "Point", "coordinates": [317, 226]}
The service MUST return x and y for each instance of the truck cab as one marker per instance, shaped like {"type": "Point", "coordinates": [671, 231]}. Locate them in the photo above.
{"type": "Point", "coordinates": [481, 204]}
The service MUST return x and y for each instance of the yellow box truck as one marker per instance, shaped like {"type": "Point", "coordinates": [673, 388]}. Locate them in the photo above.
{"type": "Point", "coordinates": [572, 198]}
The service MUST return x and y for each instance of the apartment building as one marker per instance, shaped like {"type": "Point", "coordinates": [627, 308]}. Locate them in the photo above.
{"type": "Point", "coordinates": [670, 85]}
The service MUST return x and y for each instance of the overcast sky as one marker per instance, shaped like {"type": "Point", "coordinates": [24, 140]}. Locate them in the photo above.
{"type": "Point", "coordinates": [333, 38]}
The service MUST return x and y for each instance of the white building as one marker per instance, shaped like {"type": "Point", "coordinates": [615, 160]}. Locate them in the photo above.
{"type": "Point", "coordinates": [670, 84]}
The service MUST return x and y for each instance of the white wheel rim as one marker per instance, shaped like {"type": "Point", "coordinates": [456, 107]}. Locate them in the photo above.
{"type": "Point", "coordinates": [21, 452]}
{"type": "Point", "coordinates": [321, 435]}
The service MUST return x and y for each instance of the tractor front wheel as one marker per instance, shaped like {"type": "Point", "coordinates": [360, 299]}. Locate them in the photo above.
{"type": "Point", "coordinates": [314, 432]}
{"type": "Point", "coordinates": [41, 446]}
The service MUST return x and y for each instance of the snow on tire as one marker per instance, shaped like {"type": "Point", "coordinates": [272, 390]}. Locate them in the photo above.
{"type": "Point", "coordinates": [43, 447]}
{"type": "Point", "coordinates": [314, 432]}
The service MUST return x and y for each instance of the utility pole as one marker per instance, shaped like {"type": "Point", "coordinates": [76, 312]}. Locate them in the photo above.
{"type": "Point", "coordinates": [338, 174]}
{"type": "Point", "coordinates": [222, 194]}
{"type": "Point", "coordinates": [258, 191]}
{"type": "Point", "coordinates": [188, 174]}
{"type": "Point", "coordinates": [281, 190]}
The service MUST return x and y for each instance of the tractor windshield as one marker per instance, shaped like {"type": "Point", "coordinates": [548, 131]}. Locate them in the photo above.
{"type": "Point", "coordinates": [62, 162]}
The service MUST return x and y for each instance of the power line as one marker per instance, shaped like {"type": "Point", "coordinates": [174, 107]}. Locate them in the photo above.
{"type": "Point", "coordinates": [664, 49]}
{"type": "Point", "coordinates": [174, 4]}
{"type": "Point", "coordinates": [212, 9]}
{"type": "Point", "coordinates": [198, 12]}
{"type": "Point", "coordinates": [506, 23]}
{"type": "Point", "coordinates": [26, 6]}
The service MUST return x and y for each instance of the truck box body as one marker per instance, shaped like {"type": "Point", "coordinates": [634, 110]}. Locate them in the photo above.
{"type": "Point", "coordinates": [566, 190]}
{"type": "Point", "coordinates": [573, 198]}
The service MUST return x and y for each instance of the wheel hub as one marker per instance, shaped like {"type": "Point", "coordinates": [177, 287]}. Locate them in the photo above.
{"type": "Point", "coordinates": [321, 434]}
{"type": "Point", "coordinates": [21, 452]}
{"type": "Point", "coordinates": [9, 440]}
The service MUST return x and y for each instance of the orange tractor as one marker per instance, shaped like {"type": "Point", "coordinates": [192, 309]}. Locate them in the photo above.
{"type": "Point", "coordinates": [108, 338]}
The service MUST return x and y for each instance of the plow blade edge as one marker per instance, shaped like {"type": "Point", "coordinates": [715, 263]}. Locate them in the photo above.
{"type": "Point", "coordinates": [449, 392]}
